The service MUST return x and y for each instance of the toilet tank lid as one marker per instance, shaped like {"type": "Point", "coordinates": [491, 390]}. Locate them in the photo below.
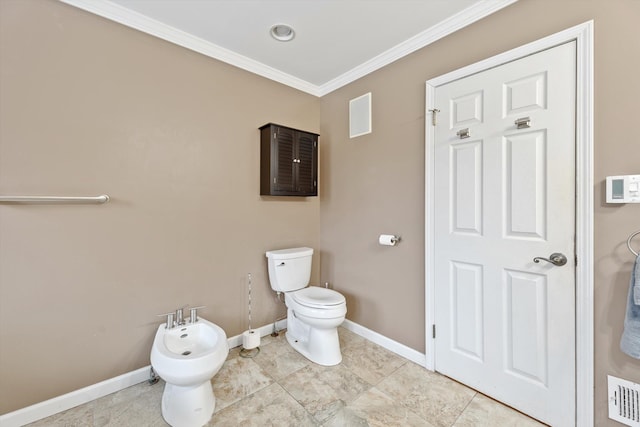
{"type": "Point", "coordinates": [289, 253]}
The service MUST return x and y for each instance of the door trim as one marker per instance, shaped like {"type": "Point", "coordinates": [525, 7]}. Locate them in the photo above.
{"type": "Point", "coordinates": [583, 35]}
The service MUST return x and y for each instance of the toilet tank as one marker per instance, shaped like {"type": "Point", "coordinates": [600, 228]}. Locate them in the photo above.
{"type": "Point", "coordinates": [289, 269]}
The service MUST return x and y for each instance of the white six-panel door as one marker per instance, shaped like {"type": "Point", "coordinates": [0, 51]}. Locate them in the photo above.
{"type": "Point", "coordinates": [503, 196]}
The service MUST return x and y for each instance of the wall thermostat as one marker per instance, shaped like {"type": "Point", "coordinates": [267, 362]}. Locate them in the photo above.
{"type": "Point", "coordinates": [623, 189]}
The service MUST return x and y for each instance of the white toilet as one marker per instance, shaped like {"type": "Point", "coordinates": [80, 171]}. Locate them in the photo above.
{"type": "Point", "coordinates": [313, 313]}
{"type": "Point", "coordinates": [186, 356]}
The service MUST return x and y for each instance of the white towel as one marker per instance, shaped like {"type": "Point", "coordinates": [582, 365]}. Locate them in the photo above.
{"type": "Point", "coordinates": [630, 341]}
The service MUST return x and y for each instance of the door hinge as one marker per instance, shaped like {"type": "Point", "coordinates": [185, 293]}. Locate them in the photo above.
{"type": "Point", "coordinates": [433, 331]}
{"type": "Point", "coordinates": [433, 115]}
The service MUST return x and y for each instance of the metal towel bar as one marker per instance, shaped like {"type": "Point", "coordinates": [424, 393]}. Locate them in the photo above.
{"type": "Point", "coordinates": [629, 242]}
{"type": "Point", "coordinates": [103, 198]}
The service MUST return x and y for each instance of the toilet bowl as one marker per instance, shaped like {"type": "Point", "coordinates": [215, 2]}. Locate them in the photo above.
{"type": "Point", "coordinates": [313, 313]}
{"type": "Point", "coordinates": [186, 357]}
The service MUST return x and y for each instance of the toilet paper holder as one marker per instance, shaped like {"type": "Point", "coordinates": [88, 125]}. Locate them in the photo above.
{"type": "Point", "coordinates": [388, 239]}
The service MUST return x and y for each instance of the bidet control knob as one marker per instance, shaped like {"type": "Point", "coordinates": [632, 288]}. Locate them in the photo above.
{"type": "Point", "coordinates": [193, 317]}
{"type": "Point", "coordinates": [170, 318]}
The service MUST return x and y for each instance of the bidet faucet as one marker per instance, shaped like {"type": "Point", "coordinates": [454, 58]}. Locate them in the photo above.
{"type": "Point", "coordinates": [193, 317]}
{"type": "Point", "coordinates": [170, 323]}
{"type": "Point", "coordinates": [180, 316]}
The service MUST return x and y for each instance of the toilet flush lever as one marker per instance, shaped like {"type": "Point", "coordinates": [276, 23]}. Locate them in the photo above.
{"type": "Point", "coordinates": [281, 264]}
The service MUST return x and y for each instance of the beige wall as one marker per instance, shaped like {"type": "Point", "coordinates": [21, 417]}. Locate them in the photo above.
{"type": "Point", "coordinates": [375, 184]}
{"type": "Point", "coordinates": [88, 106]}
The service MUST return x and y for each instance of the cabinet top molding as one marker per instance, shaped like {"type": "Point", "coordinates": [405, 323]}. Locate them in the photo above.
{"type": "Point", "coordinates": [287, 127]}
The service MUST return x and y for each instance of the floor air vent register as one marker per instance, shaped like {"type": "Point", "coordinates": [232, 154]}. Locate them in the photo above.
{"type": "Point", "coordinates": [624, 401]}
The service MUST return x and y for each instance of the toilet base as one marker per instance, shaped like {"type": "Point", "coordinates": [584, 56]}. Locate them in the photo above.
{"type": "Point", "coordinates": [190, 406]}
{"type": "Point", "coordinates": [321, 346]}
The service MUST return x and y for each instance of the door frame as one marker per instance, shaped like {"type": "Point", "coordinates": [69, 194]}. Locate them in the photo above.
{"type": "Point", "coordinates": [583, 35]}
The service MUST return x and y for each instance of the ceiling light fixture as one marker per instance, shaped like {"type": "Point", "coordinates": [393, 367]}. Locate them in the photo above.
{"type": "Point", "coordinates": [282, 32]}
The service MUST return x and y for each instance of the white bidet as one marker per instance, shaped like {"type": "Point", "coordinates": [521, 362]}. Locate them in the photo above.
{"type": "Point", "coordinates": [186, 357]}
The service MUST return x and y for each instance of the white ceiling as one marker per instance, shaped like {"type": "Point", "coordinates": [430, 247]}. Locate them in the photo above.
{"type": "Point", "coordinates": [336, 42]}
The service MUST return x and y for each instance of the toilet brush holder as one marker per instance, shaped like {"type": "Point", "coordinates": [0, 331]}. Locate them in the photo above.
{"type": "Point", "coordinates": [251, 337]}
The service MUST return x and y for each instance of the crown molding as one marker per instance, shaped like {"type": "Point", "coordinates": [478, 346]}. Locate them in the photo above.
{"type": "Point", "coordinates": [466, 17]}
{"type": "Point", "coordinates": [140, 22]}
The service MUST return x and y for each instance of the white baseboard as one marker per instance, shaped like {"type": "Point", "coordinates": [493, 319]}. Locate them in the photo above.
{"type": "Point", "coordinates": [391, 345]}
{"type": "Point", "coordinates": [264, 331]}
{"type": "Point", "coordinates": [87, 394]}
{"type": "Point", "coordinates": [78, 397]}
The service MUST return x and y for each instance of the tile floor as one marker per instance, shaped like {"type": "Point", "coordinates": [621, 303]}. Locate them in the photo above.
{"type": "Point", "coordinates": [371, 387]}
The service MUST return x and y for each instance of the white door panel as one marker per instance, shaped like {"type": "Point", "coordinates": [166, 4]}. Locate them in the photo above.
{"type": "Point", "coordinates": [466, 171]}
{"type": "Point", "coordinates": [505, 325]}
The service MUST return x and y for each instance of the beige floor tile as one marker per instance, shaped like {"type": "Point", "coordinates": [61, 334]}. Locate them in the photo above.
{"type": "Point", "coordinates": [143, 409]}
{"type": "Point", "coordinates": [237, 379]}
{"type": "Point", "coordinates": [280, 360]}
{"type": "Point", "coordinates": [486, 412]}
{"type": "Point", "coordinates": [434, 397]}
{"type": "Point", "coordinates": [80, 416]}
{"type": "Point", "coordinates": [372, 387]}
{"type": "Point", "coordinates": [271, 406]}
{"type": "Point", "coordinates": [268, 339]}
{"type": "Point", "coordinates": [140, 403]}
{"type": "Point", "coordinates": [348, 338]}
{"type": "Point", "coordinates": [323, 390]}
{"type": "Point", "coordinates": [137, 406]}
{"type": "Point", "coordinates": [375, 409]}
{"type": "Point", "coordinates": [234, 352]}
{"type": "Point", "coordinates": [344, 417]}
{"type": "Point", "coordinates": [370, 361]}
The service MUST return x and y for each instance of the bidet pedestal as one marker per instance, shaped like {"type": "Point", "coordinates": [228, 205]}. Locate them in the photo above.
{"type": "Point", "coordinates": [190, 406]}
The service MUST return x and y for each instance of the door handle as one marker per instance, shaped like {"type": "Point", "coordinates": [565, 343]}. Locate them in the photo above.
{"type": "Point", "coordinates": [555, 258]}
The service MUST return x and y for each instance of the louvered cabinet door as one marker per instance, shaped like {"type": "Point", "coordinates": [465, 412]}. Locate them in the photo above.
{"type": "Point", "coordinates": [284, 169]}
{"type": "Point", "coordinates": [306, 164]}
{"type": "Point", "coordinates": [288, 161]}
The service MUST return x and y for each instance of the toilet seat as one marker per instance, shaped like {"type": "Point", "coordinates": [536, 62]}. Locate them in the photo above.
{"type": "Point", "coordinates": [317, 297]}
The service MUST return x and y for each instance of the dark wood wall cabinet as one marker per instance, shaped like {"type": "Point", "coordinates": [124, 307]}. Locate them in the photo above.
{"type": "Point", "coordinates": [288, 161]}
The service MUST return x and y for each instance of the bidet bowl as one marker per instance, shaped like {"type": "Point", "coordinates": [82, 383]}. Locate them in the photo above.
{"type": "Point", "coordinates": [189, 354]}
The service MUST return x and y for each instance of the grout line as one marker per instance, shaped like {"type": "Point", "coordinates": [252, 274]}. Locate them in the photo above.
{"type": "Point", "coordinates": [335, 407]}
{"type": "Point", "coordinates": [299, 403]}
{"type": "Point", "coordinates": [465, 407]}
